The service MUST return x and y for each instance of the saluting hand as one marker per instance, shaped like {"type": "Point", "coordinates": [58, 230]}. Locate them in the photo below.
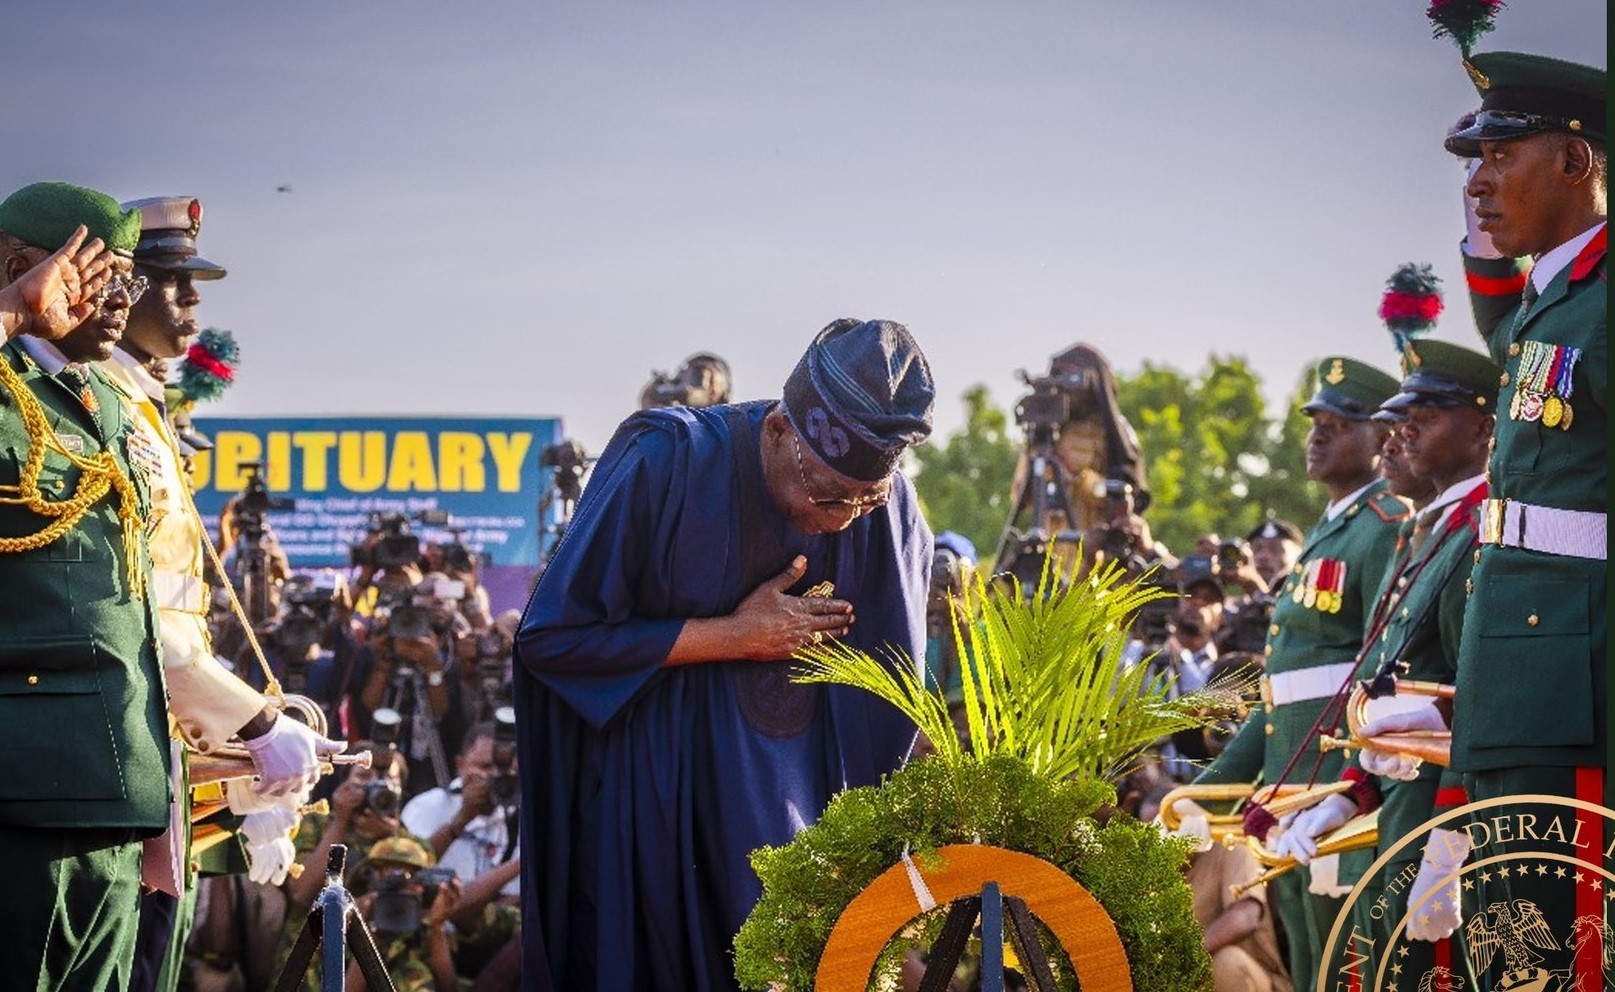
{"type": "Point", "coordinates": [55, 296]}
{"type": "Point", "coordinates": [775, 624]}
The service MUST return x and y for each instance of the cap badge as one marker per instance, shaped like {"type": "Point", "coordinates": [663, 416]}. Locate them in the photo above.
{"type": "Point", "coordinates": [1412, 356]}
{"type": "Point", "coordinates": [194, 211]}
{"type": "Point", "coordinates": [1337, 373]}
{"type": "Point", "coordinates": [1476, 76]}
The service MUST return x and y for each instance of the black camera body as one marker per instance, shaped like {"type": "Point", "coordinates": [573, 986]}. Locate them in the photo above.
{"type": "Point", "coordinates": [1231, 553]}
{"type": "Point", "coordinates": [1246, 627]}
{"type": "Point", "coordinates": [505, 788]}
{"type": "Point", "coordinates": [383, 797]}
{"type": "Point", "coordinates": [399, 911]}
{"type": "Point", "coordinates": [1155, 622]}
{"type": "Point", "coordinates": [254, 502]}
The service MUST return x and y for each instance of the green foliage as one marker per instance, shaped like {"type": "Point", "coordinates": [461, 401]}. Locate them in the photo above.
{"type": "Point", "coordinates": [1049, 686]}
{"type": "Point", "coordinates": [1216, 463]}
{"type": "Point", "coordinates": [1053, 715]}
{"type": "Point", "coordinates": [1132, 868]}
{"type": "Point", "coordinates": [963, 482]}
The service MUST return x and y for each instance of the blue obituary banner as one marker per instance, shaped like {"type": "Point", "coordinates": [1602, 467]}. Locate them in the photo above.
{"type": "Point", "coordinates": [484, 471]}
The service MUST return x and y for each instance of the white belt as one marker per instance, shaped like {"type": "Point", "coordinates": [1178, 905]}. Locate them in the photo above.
{"type": "Point", "coordinates": [1317, 682]}
{"type": "Point", "coordinates": [173, 591]}
{"type": "Point", "coordinates": [1574, 533]}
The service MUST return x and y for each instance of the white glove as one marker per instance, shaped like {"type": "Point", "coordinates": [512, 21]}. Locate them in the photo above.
{"type": "Point", "coordinates": [1438, 915]}
{"type": "Point", "coordinates": [288, 757]}
{"type": "Point", "coordinates": [1477, 243]}
{"type": "Point", "coordinates": [269, 843]}
{"type": "Point", "coordinates": [1401, 767]}
{"type": "Point", "coordinates": [1193, 821]}
{"type": "Point", "coordinates": [1300, 837]}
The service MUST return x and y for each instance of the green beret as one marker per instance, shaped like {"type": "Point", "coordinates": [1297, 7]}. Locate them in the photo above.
{"type": "Point", "coordinates": [1349, 388]}
{"type": "Point", "coordinates": [45, 215]}
{"type": "Point", "coordinates": [1442, 374]}
{"type": "Point", "coordinates": [1523, 94]}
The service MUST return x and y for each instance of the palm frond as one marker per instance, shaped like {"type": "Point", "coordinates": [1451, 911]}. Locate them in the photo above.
{"type": "Point", "coordinates": [1045, 677]}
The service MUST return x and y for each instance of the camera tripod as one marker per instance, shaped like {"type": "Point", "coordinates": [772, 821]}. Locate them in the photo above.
{"type": "Point", "coordinates": [1045, 491]}
{"type": "Point", "coordinates": [408, 689]}
{"type": "Point", "coordinates": [336, 922]}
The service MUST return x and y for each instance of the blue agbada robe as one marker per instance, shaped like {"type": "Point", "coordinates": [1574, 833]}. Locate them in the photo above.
{"type": "Point", "coordinates": [645, 789]}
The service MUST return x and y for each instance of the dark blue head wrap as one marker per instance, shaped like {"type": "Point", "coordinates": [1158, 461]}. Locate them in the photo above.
{"type": "Point", "coordinates": [860, 395]}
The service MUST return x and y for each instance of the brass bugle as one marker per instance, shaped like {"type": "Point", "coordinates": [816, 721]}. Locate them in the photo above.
{"type": "Point", "coordinates": [1230, 827]}
{"type": "Point", "coordinates": [231, 760]}
{"type": "Point", "coordinates": [1356, 834]}
{"type": "Point", "coordinates": [206, 769]}
{"type": "Point", "coordinates": [1434, 746]}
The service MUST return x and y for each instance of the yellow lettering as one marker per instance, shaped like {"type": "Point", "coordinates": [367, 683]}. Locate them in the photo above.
{"type": "Point", "coordinates": [411, 463]}
{"type": "Point", "coordinates": [316, 447]}
{"type": "Point", "coordinates": [509, 451]}
{"type": "Point", "coordinates": [233, 449]}
{"type": "Point", "coordinates": [278, 466]}
{"type": "Point", "coordinates": [459, 463]}
{"type": "Point", "coordinates": [201, 470]}
{"type": "Point", "coordinates": [362, 460]}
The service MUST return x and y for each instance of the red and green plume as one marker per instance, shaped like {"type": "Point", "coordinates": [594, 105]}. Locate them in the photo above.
{"type": "Point", "coordinates": [1464, 21]}
{"type": "Point", "coordinates": [209, 366]}
{"type": "Point", "coordinates": [1411, 304]}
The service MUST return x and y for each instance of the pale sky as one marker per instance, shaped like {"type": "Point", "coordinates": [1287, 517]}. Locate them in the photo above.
{"type": "Point", "coordinates": [524, 208]}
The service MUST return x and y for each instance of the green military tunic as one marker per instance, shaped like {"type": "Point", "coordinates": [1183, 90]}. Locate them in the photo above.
{"type": "Point", "coordinates": [83, 723]}
{"type": "Point", "coordinates": [1318, 619]}
{"type": "Point", "coordinates": [1533, 667]}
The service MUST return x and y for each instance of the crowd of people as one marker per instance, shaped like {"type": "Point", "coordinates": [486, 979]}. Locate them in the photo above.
{"type": "Point", "coordinates": [636, 730]}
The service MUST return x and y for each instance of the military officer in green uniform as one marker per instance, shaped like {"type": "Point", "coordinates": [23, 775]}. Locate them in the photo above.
{"type": "Point", "coordinates": [1317, 626]}
{"type": "Point", "coordinates": [81, 685]}
{"type": "Point", "coordinates": [82, 722]}
{"type": "Point", "coordinates": [1539, 192]}
{"type": "Point", "coordinates": [1446, 406]}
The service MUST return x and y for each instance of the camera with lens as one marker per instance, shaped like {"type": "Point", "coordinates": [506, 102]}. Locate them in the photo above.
{"type": "Point", "coordinates": [399, 910]}
{"type": "Point", "coordinates": [1156, 621]}
{"type": "Point", "coordinates": [1245, 628]}
{"type": "Point", "coordinates": [1049, 404]}
{"type": "Point", "coordinates": [400, 615]}
{"type": "Point", "coordinates": [504, 788]}
{"type": "Point", "coordinates": [566, 459]}
{"type": "Point", "coordinates": [703, 380]}
{"type": "Point", "coordinates": [382, 797]}
{"type": "Point", "coordinates": [1231, 554]}
{"type": "Point", "coordinates": [254, 502]}
{"type": "Point", "coordinates": [390, 542]}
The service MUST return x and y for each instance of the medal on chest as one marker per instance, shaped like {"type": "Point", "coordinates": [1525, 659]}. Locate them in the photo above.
{"type": "Point", "coordinates": [1543, 384]}
{"type": "Point", "coordinates": [1322, 586]}
{"type": "Point", "coordinates": [144, 458]}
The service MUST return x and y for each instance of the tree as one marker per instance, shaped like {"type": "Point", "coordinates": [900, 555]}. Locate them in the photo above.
{"type": "Point", "coordinates": [963, 482]}
{"type": "Point", "coordinates": [1215, 463]}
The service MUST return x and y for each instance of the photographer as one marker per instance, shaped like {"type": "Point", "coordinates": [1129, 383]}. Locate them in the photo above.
{"type": "Point", "coordinates": [407, 903]}
{"type": "Point", "coordinates": [470, 827]}
{"type": "Point", "coordinates": [309, 644]}
{"type": "Point", "coordinates": [1123, 535]}
{"type": "Point", "coordinates": [364, 809]}
{"type": "Point", "coordinates": [1190, 654]}
{"type": "Point", "coordinates": [415, 643]}
{"type": "Point", "coordinates": [462, 565]}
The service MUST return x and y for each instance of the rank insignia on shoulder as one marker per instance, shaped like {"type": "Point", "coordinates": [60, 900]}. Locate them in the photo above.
{"type": "Point", "coordinates": [1389, 507]}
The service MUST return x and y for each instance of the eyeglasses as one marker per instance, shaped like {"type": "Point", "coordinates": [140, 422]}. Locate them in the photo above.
{"type": "Point", "coordinates": [854, 506]}
{"type": "Point", "coordinates": [133, 287]}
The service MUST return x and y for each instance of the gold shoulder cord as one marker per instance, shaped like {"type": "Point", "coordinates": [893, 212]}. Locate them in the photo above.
{"type": "Point", "coordinates": [97, 476]}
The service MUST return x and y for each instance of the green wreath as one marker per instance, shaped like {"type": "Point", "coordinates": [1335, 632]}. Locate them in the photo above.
{"type": "Point", "coordinates": [1053, 714]}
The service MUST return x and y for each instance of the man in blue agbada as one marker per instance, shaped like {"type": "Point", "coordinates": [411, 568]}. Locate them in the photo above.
{"type": "Point", "coordinates": [661, 737]}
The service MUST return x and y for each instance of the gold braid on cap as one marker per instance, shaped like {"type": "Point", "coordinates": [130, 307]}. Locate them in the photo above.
{"type": "Point", "coordinates": [97, 476]}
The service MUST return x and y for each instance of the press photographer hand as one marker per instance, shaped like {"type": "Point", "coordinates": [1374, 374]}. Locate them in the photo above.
{"type": "Point", "coordinates": [768, 625]}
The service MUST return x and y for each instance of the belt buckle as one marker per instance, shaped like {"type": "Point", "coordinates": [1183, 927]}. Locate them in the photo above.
{"type": "Point", "coordinates": [1491, 530]}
